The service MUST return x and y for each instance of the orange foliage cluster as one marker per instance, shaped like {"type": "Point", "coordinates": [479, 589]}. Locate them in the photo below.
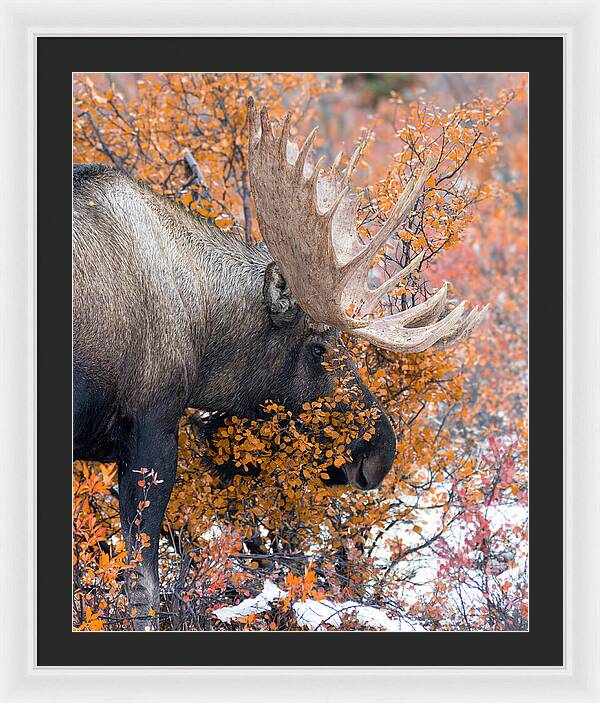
{"type": "Point", "coordinates": [442, 544]}
{"type": "Point", "coordinates": [99, 554]}
{"type": "Point", "coordinates": [200, 113]}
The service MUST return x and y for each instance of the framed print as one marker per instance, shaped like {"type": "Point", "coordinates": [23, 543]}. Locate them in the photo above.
{"type": "Point", "coordinates": [346, 462]}
{"type": "Point", "coordinates": [295, 452]}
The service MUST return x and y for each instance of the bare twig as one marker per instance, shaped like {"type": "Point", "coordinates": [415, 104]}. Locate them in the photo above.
{"type": "Point", "coordinates": [197, 177]}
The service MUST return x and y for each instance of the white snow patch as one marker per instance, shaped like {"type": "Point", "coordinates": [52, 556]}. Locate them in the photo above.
{"type": "Point", "coordinates": [260, 604]}
{"type": "Point", "coordinates": [316, 613]}
{"type": "Point", "coordinates": [313, 614]}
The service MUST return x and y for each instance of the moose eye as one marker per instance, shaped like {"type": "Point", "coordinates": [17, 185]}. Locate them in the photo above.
{"type": "Point", "coordinates": [318, 351]}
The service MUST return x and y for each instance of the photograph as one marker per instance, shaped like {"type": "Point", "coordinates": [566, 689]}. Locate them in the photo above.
{"type": "Point", "coordinates": [300, 352]}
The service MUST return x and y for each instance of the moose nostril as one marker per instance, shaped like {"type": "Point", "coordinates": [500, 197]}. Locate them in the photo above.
{"type": "Point", "coordinates": [361, 479]}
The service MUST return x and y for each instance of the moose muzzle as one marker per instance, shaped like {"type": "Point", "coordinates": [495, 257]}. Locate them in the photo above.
{"type": "Point", "coordinates": [372, 460]}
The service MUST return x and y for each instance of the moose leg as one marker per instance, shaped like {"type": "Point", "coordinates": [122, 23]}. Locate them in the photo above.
{"type": "Point", "coordinates": [146, 478]}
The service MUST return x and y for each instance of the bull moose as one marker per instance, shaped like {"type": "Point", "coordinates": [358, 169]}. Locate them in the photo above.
{"type": "Point", "coordinates": [170, 312]}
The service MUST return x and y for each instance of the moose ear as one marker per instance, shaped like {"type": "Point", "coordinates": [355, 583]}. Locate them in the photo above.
{"type": "Point", "coordinates": [278, 298]}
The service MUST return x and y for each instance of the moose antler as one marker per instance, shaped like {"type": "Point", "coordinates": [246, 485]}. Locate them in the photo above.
{"type": "Point", "coordinates": [308, 220]}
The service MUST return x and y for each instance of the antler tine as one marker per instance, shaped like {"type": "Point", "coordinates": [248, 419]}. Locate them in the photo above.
{"type": "Point", "coordinates": [253, 129]}
{"type": "Point", "coordinates": [285, 136]}
{"type": "Point", "coordinates": [267, 135]}
{"type": "Point", "coordinates": [334, 207]}
{"type": "Point", "coordinates": [474, 318]}
{"type": "Point", "coordinates": [336, 162]}
{"type": "Point", "coordinates": [315, 175]}
{"type": "Point", "coordinates": [399, 212]}
{"type": "Point", "coordinates": [373, 297]}
{"type": "Point", "coordinates": [349, 170]}
{"type": "Point", "coordinates": [303, 153]}
{"type": "Point", "coordinates": [428, 311]}
{"type": "Point", "coordinates": [356, 270]}
{"type": "Point", "coordinates": [391, 332]}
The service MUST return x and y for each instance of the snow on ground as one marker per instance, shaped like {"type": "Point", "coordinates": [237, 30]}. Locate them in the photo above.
{"type": "Point", "coordinates": [323, 614]}
{"type": "Point", "coordinates": [250, 606]}
{"type": "Point", "coordinates": [314, 614]}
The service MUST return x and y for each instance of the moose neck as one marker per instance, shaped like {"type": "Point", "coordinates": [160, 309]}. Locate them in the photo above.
{"type": "Point", "coordinates": [232, 321]}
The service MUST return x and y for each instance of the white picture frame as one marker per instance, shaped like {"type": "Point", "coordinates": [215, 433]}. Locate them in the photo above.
{"type": "Point", "coordinates": [21, 679]}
